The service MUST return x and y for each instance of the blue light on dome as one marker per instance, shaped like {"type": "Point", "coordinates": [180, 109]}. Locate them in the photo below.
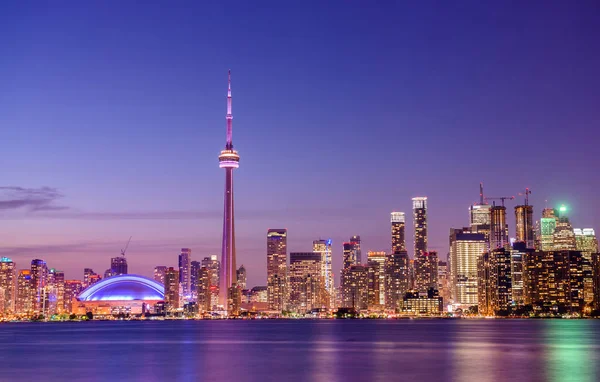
{"type": "Point", "coordinates": [124, 288]}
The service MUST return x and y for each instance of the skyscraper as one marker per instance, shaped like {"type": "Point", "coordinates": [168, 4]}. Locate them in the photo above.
{"type": "Point", "coordinates": [39, 275]}
{"type": "Point", "coordinates": [481, 219]}
{"type": "Point", "coordinates": [241, 277]}
{"type": "Point", "coordinates": [24, 299]}
{"type": "Point", "coordinates": [306, 286]}
{"type": "Point", "coordinates": [354, 280]}
{"type": "Point", "coordinates": [564, 235]}
{"type": "Point", "coordinates": [355, 241]}
{"type": "Point", "coordinates": [398, 221]}
{"type": "Point", "coordinates": [228, 159]}
{"type": "Point", "coordinates": [547, 227]}
{"type": "Point", "coordinates": [426, 271]}
{"type": "Point", "coordinates": [397, 279]}
{"type": "Point", "coordinates": [118, 266]}
{"type": "Point", "coordinates": [185, 259]}
{"type": "Point", "coordinates": [159, 273]}
{"type": "Point", "coordinates": [89, 277]}
{"type": "Point", "coordinates": [494, 281]}
{"type": "Point", "coordinates": [172, 288]}
{"type": "Point", "coordinates": [203, 279]}
{"type": "Point", "coordinates": [352, 253]}
{"type": "Point", "coordinates": [420, 223]}
{"type": "Point", "coordinates": [524, 224]}
{"type": "Point", "coordinates": [586, 241]}
{"type": "Point", "coordinates": [7, 285]}
{"type": "Point", "coordinates": [465, 249]}
{"type": "Point", "coordinates": [194, 274]}
{"type": "Point", "coordinates": [323, 247]}
{"type": "Point", "coordinates": [276, 268]}
{"type": "Point", "coordinates": [376, 282]}
{"type": "Point", "coordinates": [72, 289]}
{"type": "Point", "coordinates": [498, 227]}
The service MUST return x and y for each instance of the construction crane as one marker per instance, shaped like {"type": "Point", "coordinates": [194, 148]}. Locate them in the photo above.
{"type": "Point", "coordinates": [126, 246]}
{"type": "Point", "coordinates": [526, 193]}
{"type": "Point", "coordinates": [502, 198]}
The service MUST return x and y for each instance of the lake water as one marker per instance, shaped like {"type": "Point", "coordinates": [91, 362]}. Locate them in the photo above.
{"type": "Point", "coordinates": [302, 350]}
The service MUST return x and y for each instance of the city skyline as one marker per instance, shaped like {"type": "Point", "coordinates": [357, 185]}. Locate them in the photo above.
{"type": "Point", "coordinates": [150, 145]}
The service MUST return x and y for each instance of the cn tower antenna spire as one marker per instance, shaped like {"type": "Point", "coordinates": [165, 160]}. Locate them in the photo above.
{"type": "Point", "coordinates": [229, 117]}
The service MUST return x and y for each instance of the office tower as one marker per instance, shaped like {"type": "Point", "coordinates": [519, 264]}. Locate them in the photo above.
{"type": "Point", "coordinates": [586, 241]}
{"type": "Point", "coordinates": [89, 277]}
{"type": "Point", "coordinates": [596, 280]}
{"type": "Point", "coordinates": [547, 227]}
{"type": "Point", "coordinates": [228, 159]}
{"type": "Point", "coordinates": [352, 253]}
{"type": "Point", "coordinates": [517, 254]}
{"type": "Point", "coordinates": [397, 279]}
{"type": "Point", "coordinates": [554, 281]}
{"type": "Point", "coordinates": [185, 260]}
{"type": "Point", "coordinates": [72, 290]}
{"type": "Point", "coordinates": [564, 236]}
{"type": "Point", "coordinates": [323, 247]}
{"type": "Point", "coordinates": [159, 273]}
{"type": "Point", "coordinates": [118, 266]}
{"type": "Point", "coordinates": [194, 272]}
{"type": "Point", "coordinates": [498, 227]}
{"type": "Point", "coordinates": [422, 303]}
{"type": "Point", "coordinates": [94, 279]}
{"type": "Point", "coordinates": [56, 297]}
{"type": "Point", "coordinates": [426, 271]}
{"type": "Point", "coordinates": [203, 279]}
{"type": "Point", "coordinates": [354, 280]}
{"type": "Point", "coordinates": [420, 223]}
{"type": "Point", "coordinates": [39, 274]}
{"type": "Point", "coordinates": [8, 282]}
{"type": "Point", "coordinates": [241, 277]}
{"type": "Point", "coordinates": [172, 288]}
{"type": "Point", "coordinates": [306, 286]}
{"type": "Point", "coordinates": [481, 219]}
{"type": "Point", "coordinates": [24, 299]}
{"type": "Point", "coordinates": [524, 224]}
{"type": "Point", "coordinates": [443, 285]}
{"type": "Point", "coordinates": [214, 265]}
{"type": "Point", "coordinates": [494, 282]}
{"type": "Point", "coordinates": [398, 221]}
{"type": "Point", "coordinates": [277, 268]}
{"type": "Point", "coordinates": [376, 282]}
{"type": "Point", "coordinates": [465, 248]}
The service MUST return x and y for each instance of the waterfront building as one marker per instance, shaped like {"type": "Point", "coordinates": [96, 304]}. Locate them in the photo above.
{"type": "Point", "coordinates": [547, 227]}
{"type": "Point", "coordinates": [229, 160]}
{"type": "Point", "coordinates": [39, 275]}
{"type": "Point", "coordinates": [420, 225]}
{"type": "Point", "coordinates": [524, 225]}
{"type": "Point", "coordinates": [194, 272]}
{"type": "Point", "coordinates": [203, 289]}
{"type": "Point", "coordinates": [118, 266]}
{"type": "Point", "coordinates": [241, 277]}
{"type": "Point", "coordinates": [24, 299]}
{"type": "Point", "coordinates": [564, 235]}
{"type": "Point", "coordinates": [185, 272]}
{"type": "Point", "coordinates": [481, 219]}
{"type": "Point", "coordinates": [323, 247]}
{"type": "Point", "coordinates": [354, 280]}
{"type": "Point", "coordinates": [586, 241]}
{"type": "Point", "coordinates": [494, 282]}
{"type": "Point", "coordinates": [171, 288]}
{"type": "Point", "coordinates": [277, 269]}
{"type": "Point", "coordinates": [397, 279]}
{"type": "Point", "coordinates": [306, 286]}
{"type": "Point", "coordinates": [465, 249]}
{"type": "Point", "coordinates": [398, 220]}
{"type": "Point", "coordinates": [443, 285]}
{"type": "Point", "coordinates": [427, 303]}
{"type": "Point", "coordinates": [376, 279]}
{"type": "Point", "coordinates": [214, 265]}
{"type": "Point", "coordinates": [426, 271]}
{"type": "Point", "coordinates": [351, 252]}
{"type": "Point", "coordinates": [498, 227]}
{"type": "Point", "coordinates": [72, 289]}
{"type": "Point", "coordinates": [55, 295]}
{"type": "Point", "coordinates": [159, 273]}
{"type": "Point", "coordinates": [8, 282]}
{"type": "Point", "coordinates": [355, 242]}
{"type": "Point", "coordinates": [89, 277]}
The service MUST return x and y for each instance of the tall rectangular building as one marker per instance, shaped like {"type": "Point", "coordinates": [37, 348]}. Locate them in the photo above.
{"type": "Point", "coordinates": [426, 271]}
{"type": "Point", "coordinates": [118, 265]}
{"type": "Point", "coordinates": [376, 284]}
{"type": "Point", "coordinates": [354, 280]}
{"type": "Point", "coordinates": [306, 286]}
{"type": "Point", "coordinates": [420, 223]}
{"type": "Point", "coordinates": [397, 280]}
{"type": "Point", "coordinates": [398, 221]}
{"type": "Point", "coordinates": [24, 299]}
{"type": "Point", "coordinates": [494, 282]}
{"type": "Point", "coordinates": [524, 225]}
{"type": "Point", "coordinates": [323, 247]}
{"type": "Point", "coordinates": [277, 269]}
{"type": "Point", "coordinates": [159, 273]}
{"type": "Point", "coordinates": [498, 227]}
{"type": "Point", "coordinates": [204, 298]}
{"type": "Point", "coordinates": [8, 282]}
{"type": "Point", "coordinates": [464, 251]}
{"type": "Point", "coordinates": [172, 288]}
{"type": "Point", "coordinates": [185, 268]}
{"type": "Point", "coordinates": [39, 275]}
{"type": "Point", "coordinates": [352, 253]}
{"type": "Point", "coordinates": [481, 219]}
{"type": "Point", "coordinates": [586, 241]}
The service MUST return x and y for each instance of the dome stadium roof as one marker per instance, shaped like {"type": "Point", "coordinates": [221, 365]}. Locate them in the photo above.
{"type": "Point", "coordinates": [124, 288]}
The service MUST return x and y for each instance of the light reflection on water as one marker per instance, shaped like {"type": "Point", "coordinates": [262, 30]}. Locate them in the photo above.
{"type": "Point", "coordinates": [321, 351]}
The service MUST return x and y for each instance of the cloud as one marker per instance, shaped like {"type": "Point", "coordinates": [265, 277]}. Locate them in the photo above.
{"type": "Point", "coordinates": [31, 199]}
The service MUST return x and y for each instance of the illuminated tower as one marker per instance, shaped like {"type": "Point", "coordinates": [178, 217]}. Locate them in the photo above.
{"type": "Point", "coordinates": [524, 224]}
{"type": "Point", "coordinates": [8, 275]}
{"type": "Point", "coordinates": [277, 268]}
{"type": "Point", "coordinates": [498, 227]}
{"type": "Point", "coordinates": [185, 267]}
{"type": "Point", "coordinates": [229, 159]}
{"type": "Point", "coordinates": [324, 248]}
{"type": "Point", "coordinates": [398, 221]}
{"type": "Point", "coordinates": [420, 222]}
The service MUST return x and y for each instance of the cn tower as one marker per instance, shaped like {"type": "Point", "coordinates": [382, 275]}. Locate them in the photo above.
{"type": "Point", "coordinates": [229, 159]}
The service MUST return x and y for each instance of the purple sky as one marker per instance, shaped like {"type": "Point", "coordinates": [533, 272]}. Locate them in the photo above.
{"type": "Point", "coordinates": [342, 113]}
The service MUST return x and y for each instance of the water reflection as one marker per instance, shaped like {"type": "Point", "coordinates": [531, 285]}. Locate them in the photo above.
{"type": "Point", "coordinates": [571, 350]}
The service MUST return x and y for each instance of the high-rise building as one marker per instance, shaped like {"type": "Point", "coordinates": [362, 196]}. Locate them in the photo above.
{"type": "Point", "coordinates": [420, 223]}
{"type": "Point", "coordinates": [494, 282]}
{"type": "Point", "coordinates": [214, 265]}
{"type": "Point", "coordinates": [426, 271]}
{"type": "Point", "coordinates": [194, 273]}
{"type": "Point", "coordinates": [88, 276]}
{"type": "Point", "coordinates": [172, 288]}
{"type": "Point", "coordinates": [118, 266]}
{"type": "Point", "coordinates": [516, 272]}
{"type": "Point", "coordinates": [241, 277]}
{"type": "Point", "coordinates": [203, 292]}
{"type": "Point", "coordinates": [465, 249]}
{"type": "Point", "coordinates": [55, 295]}
{"type": "Point", "coordinates": [8, 283]}
{"type": "Point", "coordinates": [376, 282]}
{"type": "Point", "coordinates": [596, 280]}
{"type": "Point", "coordinates": [159, 273]}
{"type": "Point", "coordinates": [306, 286]}
{"type": "Point", "coordinates": [228, 159]}
{"type": "Point", "coordinates": [39, 275]}
{"type": "Point", "coordinates": [354, 280]}
{"type": "Point", "coordinates": [352, 253]}
{"type": "Point", "coordinates": [24, 299]}
{"type": "Point", "coordinates": [277, 268]}
{"type": "Point", "coordinates": [185, 268]}
{"type": "Point", "coordinates": [547, 227]}
{"type": "Point", "coordinates": [397, 279]}
{"type": "Point", "coordinates": [481, 219]}
{"type": "Point", "coordinates": [398, 221]}
{"type": "Point", "coordinates": [564, 235]}
{"type": "Point", "coordinates": [323, 247]}
{"type": "Point", "coordinates": [524, 224]}
{"type": "Point", "coordinates": [72, 289]}
{"type": "Point", "coordinates": [586, 241]}
{"type": "Point", "coordinates": [498, 227]}
{"type": "Point", "coordinates": [443, 286]}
